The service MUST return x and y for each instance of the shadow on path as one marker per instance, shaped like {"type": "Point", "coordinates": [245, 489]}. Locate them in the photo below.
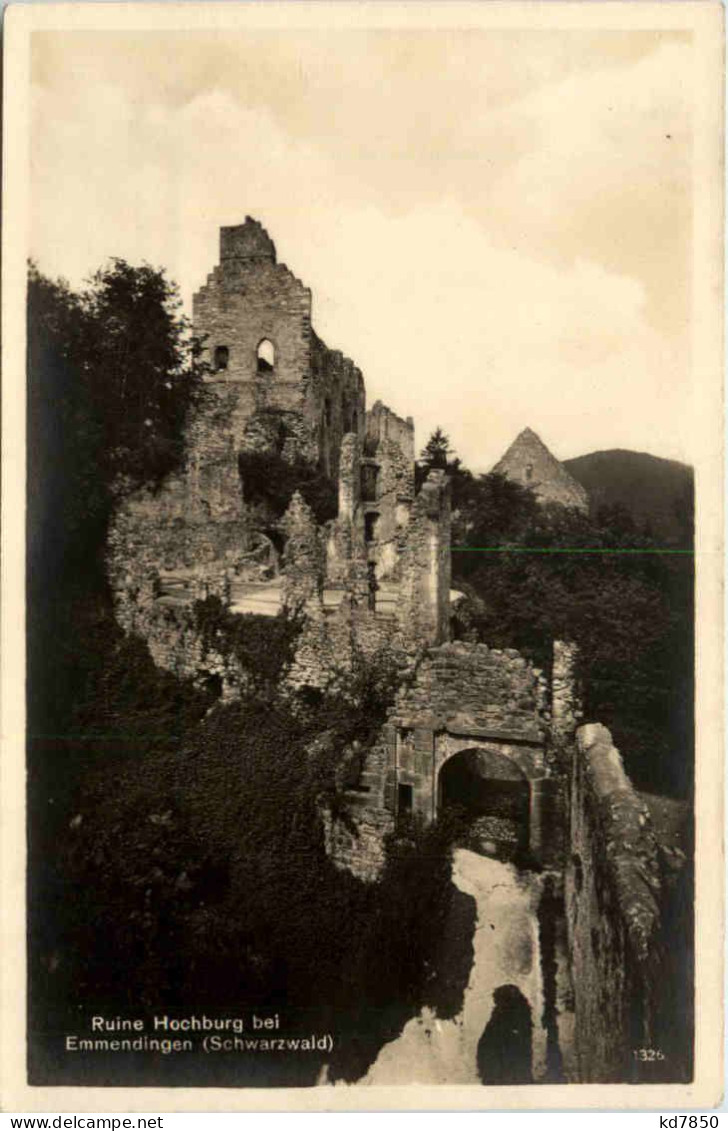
{"type": "Point", "coordinates": [504, 1050]}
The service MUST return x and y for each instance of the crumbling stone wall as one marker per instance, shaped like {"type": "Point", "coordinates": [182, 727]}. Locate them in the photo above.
{"type": "Point", "coordinates": [613, 898]}
{"type": "Point", "coordinates": [565, 699]}
{"type": "Point", "coordinates": [387, 487]}
{"type": "Point", "coordinates": [176, 644]}
{"type": "Point", "coordinates": [330, 645]}
{"type": "Point", "coordinates": [303, 580]}
{"type": "Point", "coordinates": [182, 539]}
{"type": "Point", "coordinates": [355, 834]}
{"type": "Point", "coordinates": [338, 400]}
{"type": "Point", "coordinates": [496, 689]}
{"type": "Point", "coordinates": [426, 564]}
{"type": "Point", "coordinates": [384, 426]}
{"type": "Point", "coordinates": [356, 843]}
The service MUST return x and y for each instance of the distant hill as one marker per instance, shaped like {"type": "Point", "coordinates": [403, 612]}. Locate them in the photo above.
{"type": "Point", "coordinates": [655, 491]}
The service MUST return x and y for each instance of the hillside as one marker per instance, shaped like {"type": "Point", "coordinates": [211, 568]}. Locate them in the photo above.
{"type": "Point", "coordinates": [655, 491]}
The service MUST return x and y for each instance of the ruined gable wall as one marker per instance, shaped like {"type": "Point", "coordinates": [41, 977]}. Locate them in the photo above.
{"type": "Point", "coordinates": [242, 303]}
{"type": "Point", "coordinates": [530, 463]}
{"type": "Point", "coordinates": [250, 297]}
{"type": "Point", "coordinates": [613, 896]}
{"type": "Point", "coordinates": [330, 643]}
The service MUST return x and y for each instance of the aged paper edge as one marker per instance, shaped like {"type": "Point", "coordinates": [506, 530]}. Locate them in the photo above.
{"type": "Point", "coordinates": [705, 20]}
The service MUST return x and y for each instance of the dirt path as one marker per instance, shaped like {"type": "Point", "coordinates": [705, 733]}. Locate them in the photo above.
{"type": "Point", "coordinates": [506, 952]}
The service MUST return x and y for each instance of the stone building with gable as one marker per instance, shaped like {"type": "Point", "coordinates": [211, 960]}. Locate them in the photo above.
{"type": "Point", "coordinates": [529, 462]}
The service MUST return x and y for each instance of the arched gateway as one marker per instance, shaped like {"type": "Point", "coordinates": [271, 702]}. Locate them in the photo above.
{"type": "Point", "coordinates": [466, 712]}
{"type": "Point", "coordinates": [490, 792]}
{"type": "Point", "coordinates": [483, 768]}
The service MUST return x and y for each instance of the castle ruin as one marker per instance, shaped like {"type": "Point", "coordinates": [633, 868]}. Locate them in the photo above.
{"type": "Point", "coordinates": [468, 719]}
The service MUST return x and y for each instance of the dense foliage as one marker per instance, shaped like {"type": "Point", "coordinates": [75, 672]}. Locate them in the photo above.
{"type": "Point", "coordinates": [179, 862]}
{"type": "Point", "coordinates": [263, 646]}
{"type": "Point", "coordinates": [269, 481]}
{"type": "Point", "coordinates": [112, 373]}
{"type": "Point", "coordinates": [176, 855]}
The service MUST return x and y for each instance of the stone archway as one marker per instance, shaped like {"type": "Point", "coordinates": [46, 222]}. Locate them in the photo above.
{"type": "Point", "coordinates": [491, 795]}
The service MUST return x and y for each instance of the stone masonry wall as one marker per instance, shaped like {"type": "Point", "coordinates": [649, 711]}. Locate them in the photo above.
{"type": "Point", "coordinates": [387, 467]}
{"type": "Point", "coordinates": [496, 689]}
{"type": "Point", "coordinates": [424, 607]}
{"type": "Point", "coordinates": [249, 298]}
{"type": "Point", "coordinates": [384, 425]}
{"type": "Point", "coordinates": [338, 399]}
{"type": "Point", "coordinates": [458, 696]}
{"type": "Point", "coordinates": [176, 644]}
{"type": "Point", "coordinates": [613, 896]}
{"type": "Point", "coordinates": [330, 644]}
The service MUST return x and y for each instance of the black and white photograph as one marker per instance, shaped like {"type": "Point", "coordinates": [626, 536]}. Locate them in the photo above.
{"type": "Point", "coordinates": [371, 485]}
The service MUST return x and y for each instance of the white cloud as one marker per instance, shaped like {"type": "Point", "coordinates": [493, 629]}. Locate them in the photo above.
{"type": "Point", "coordinates": [510, 265]}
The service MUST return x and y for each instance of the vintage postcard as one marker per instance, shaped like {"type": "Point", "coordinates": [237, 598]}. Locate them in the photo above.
{"type": "Point", "coordinates": [362, 628]}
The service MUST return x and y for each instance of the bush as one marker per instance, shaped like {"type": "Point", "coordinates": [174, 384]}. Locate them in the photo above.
{"type": "Point", "coordinates": [263, 646]}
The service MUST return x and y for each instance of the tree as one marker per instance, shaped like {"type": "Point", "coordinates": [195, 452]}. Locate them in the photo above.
{"type": "Point", "coordinates": [436, 456]}
{"type": "Point", "coordinates": [495, 510]}
{"type": "Point", "coordinates": [145, 370]}
{"type": "Point", "coordinates": [436, 450]}
{"type": "Point", "coordinates": [112, 372]}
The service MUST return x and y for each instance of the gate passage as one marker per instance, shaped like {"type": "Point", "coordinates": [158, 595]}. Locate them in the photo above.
{"type": "Point", "coordinates": [490, 795]}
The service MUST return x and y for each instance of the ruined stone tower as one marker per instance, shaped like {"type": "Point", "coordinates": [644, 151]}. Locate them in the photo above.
{"type": "Point", "coordinates": [267, 361]}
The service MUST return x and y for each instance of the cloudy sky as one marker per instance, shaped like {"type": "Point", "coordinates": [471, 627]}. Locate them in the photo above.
{"type": "Point", "coordinates": [496, 225]}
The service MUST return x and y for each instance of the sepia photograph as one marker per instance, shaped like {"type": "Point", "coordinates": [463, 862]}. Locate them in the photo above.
{"type": "Point", "coordinates": [370, 368]}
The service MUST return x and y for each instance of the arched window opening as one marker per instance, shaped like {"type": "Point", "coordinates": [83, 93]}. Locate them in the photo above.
{"type": "Point", "coordinates": [355, 422]}
{"type": "Point", "coordinates": [222, 357]}
{"type": "Point", "coordinates": [266, 356]}
{"type": "Point", "coordinates": [327, 411]}
{"type": "Point", "coordinates": [405, 799]}
{"type": "Point", "coordinates": [370, 526]}
{"type": "Point", "coordinates": [529, 472]}
{"type": "Point", "coordinates": [211, 682]}
{"type": "Point", "coordinates": [372, 585]}
{"type": "Point", "coordinates": [369, 477]}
